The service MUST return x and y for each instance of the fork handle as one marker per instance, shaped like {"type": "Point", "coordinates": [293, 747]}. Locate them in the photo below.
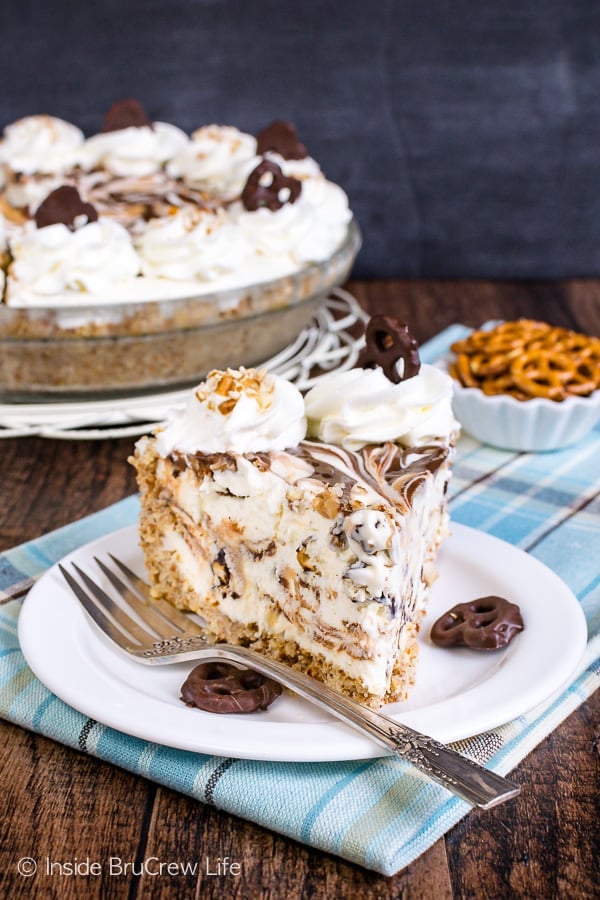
{"type": "Point", "coordinates": [464, 777]}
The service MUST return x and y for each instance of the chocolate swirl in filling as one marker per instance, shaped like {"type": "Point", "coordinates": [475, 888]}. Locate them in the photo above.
{"type": "Point", "coordinates": [392, 471]}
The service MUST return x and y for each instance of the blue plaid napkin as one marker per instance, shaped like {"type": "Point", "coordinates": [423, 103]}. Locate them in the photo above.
{"type": "Point", "coordinates": [377, 813]}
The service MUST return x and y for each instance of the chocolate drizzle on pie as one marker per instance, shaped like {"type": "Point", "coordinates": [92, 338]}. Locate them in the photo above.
{"type": "Point", "coordinates": [392, 471]}
{"type": "Point", "coordinates": [282, 138]}
{"type": "Point", "coordinates": [64, 206]}
{"type": "Point", "coordinates": [404, 468]}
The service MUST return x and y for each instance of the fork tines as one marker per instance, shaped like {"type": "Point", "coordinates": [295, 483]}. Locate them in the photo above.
{"type": "Point", "coordinates": [158, 620]}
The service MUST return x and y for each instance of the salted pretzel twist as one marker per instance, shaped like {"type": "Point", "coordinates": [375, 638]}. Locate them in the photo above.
{"type": "Point", "coordinates": [526, 359]}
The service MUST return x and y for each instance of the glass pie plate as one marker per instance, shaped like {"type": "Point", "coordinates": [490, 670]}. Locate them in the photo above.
{"type": "Point", "coordinates": [111, 349]}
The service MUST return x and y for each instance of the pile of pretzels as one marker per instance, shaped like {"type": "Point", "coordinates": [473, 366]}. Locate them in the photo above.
{"type": "Point", "coordinates": [526, 359]}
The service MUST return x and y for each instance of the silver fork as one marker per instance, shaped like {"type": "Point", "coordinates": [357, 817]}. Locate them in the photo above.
{"type": "Point", "coordinates": [169, 636]}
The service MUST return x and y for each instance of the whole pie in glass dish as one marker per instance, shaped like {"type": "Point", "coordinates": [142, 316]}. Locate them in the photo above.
{"type": "Point", "coordinates": [142, 257]}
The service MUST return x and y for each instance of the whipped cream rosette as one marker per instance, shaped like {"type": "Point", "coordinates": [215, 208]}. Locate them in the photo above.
{"type": "Point", "coordinates": [218, 159]}
{"type": "Point", "coordinates": [132, 151]}
{"type": "Point", "coordinates": [93, 259]}
{"type": "Point", "coordinates": [192, 244]}
{"type": "Point", "coordinates": [40, 144]}
{"type": "Point", "coordinates": [240, 411]}
{"type": "Point", "coordinates": [308, 229]}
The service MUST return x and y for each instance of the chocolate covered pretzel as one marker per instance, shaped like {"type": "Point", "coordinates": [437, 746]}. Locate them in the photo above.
{"type": "Point", "coordinates": [388, 341]}
{"type": "Point", "coordinates": [268, 187]}
{"type": "Point", "coordinates": [125, 114]}
{"type": "Point", "coordinates": [220, 687]}
{"type": "Point", "coordinates": [487, 623]}
{"type": "Point", "coordinates": [282, 138]}
{"type": "Point", "coordinates": [64, 206]}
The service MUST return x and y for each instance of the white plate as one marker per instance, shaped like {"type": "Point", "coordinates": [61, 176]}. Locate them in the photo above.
{"type": "Point", "coordinates": [459, 692]}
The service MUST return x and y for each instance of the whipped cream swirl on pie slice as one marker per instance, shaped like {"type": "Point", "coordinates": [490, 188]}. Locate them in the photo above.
{"type": "Point", "coordinates": [361, 406]}
{"type": "Point", "coordinates": [237, 411]}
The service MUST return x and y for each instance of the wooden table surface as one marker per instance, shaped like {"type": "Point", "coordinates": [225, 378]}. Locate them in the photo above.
{"type": "Point", "coordinates": [61, 805]}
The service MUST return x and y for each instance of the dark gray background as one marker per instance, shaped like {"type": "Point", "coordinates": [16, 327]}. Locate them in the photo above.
{"type": "Point", "coordinates": [466, 134]}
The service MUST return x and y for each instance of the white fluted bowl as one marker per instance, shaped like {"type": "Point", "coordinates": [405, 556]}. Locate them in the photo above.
{"type": "Point", "coordinates": [534, 425]}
